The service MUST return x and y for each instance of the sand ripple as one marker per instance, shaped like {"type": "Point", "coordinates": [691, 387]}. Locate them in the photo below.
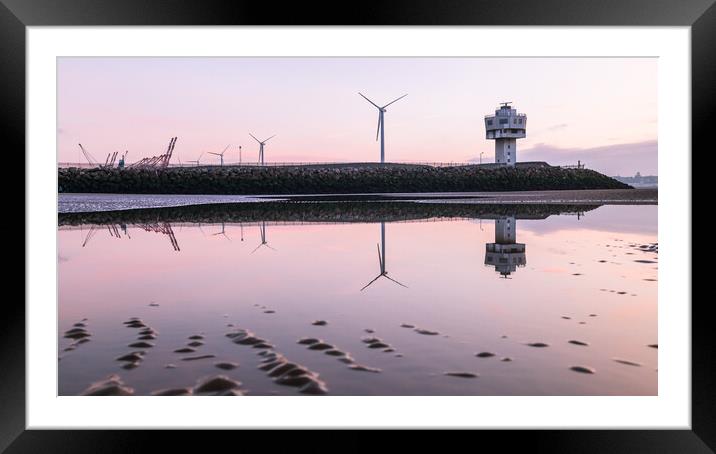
{"type": "Point", "coordinates": [110, 386]}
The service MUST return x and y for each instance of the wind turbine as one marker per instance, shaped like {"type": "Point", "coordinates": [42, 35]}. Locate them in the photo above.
{"type": "Point", "coordinates": [197, 159]}
{"type": "Point", "coordinates": [261, 147]}
{"type": "Point", "coordinates": [381, 123]}
{"type": "Point", "coordinates": [262, 229]}
{"type": "Point", "coordinates": [221, 155]}
{"type": "Point", "coordinates": [381, 261]}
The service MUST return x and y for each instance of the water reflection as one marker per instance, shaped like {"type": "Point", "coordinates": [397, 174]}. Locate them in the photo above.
{"type": "Point", "coordinates": [381, 261]}
{"type": "Point", "coordinates": [164, 228]}
{"type": "Point", "coordinates": [588, 295]}
{"type": "Point", "coordinates": [111, 228]}
{"type": "Point", "coordinates": [505, 254]}
{"type": "Point", "coordinates": [262, 233]}
{"type": "Point", "coordinates": [223, 232]}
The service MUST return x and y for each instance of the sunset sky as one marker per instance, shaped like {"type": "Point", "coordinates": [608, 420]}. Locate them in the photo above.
{"type": "Point", "coordinates": [602, 111]}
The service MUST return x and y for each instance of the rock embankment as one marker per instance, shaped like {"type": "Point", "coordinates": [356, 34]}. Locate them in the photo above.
{"type": "Point", "coordinates": [330, 180]}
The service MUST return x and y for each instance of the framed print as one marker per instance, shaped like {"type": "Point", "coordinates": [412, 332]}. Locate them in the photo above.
{"type": "Point", "coordinates": [351, 219]}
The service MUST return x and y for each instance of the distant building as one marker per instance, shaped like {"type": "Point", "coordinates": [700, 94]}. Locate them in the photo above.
{"type": "Point", "coordinates": [505, 127]}
{"type": "Point", "coordinates": [640, 181]}
{"type": "Point", "coordinates": [505, 254]}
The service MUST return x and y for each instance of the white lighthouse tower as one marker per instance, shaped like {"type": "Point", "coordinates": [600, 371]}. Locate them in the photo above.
{"type": "Point", "coordinates": [505, 254]}
{"type": "Point", "coordinates": [505, 127]}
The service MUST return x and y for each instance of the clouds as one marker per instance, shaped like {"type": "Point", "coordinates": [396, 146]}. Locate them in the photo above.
{"type": "Point", "coordinates": [618, 159]}
{"type": "Point", "coordinates": [557, 127]}
{"type": "Point", "coordinates": [127, 103]}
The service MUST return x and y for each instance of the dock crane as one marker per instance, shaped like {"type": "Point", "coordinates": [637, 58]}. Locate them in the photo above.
{"type": "Point", "coordinates": [108, 162]}
{"type": "Point", "coordinates": [157, 162]}
{"type": "Point", "coordinates": [90, 159]}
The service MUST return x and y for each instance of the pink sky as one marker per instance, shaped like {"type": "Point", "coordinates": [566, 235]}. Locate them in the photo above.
{"type": "Point", "coordinates": [602, 111]}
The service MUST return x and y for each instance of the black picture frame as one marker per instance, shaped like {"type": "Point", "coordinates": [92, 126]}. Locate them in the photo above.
{"type": "Point", "coordinates": [16, 15]}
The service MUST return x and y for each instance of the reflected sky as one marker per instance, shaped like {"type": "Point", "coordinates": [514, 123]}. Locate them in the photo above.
{"type": "Point", "coordinates": [572, 276]}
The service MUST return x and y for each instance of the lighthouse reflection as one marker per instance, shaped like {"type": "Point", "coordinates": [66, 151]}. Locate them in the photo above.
{"type": "Point", "coordinates": [505, 254]}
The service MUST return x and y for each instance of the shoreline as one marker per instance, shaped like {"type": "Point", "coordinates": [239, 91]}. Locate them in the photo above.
{"type": "Point", "coordinates": [645, 196]}
{"type": "Point", "coordinates": [90, 203]}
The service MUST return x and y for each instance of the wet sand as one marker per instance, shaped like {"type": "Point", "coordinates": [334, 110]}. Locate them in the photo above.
{"type": "Point", "coordinates": [274, 365]}
{"type": "Point", "coordinates": [579, 318]}
{"type": "Point", "coordinates": [87, 203]}
{"type": "Point", "coordinates": [644, 196]}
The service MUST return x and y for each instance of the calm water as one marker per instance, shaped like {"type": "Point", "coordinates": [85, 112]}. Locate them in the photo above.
{"type": "Point", "coordinates": [485, 281]}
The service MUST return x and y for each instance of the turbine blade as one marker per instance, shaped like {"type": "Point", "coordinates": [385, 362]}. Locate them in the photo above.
{"type": "Point", "coordinates": [255, 138]}
{"type": "Point", "coordinates": [380, 259]}
{"type": "Point", "coordinates": [211, 152]}
{"type": "Point", "coordinates": [376, 105]}
{"type": "Point", "coordinates": [257, 248]}
{"type": "Point", "coordinates": [369, 283]}
{"type": "Point", "coordinates": [377, 132]}
{"type": "Point", "coordinates": [388, 277]}
{"type": "Point", "coordinates": [397, 99]}
{"type": "Point", "coordinates": [227, 147]}
{"type": "Point", "coordinates": [266, 140]}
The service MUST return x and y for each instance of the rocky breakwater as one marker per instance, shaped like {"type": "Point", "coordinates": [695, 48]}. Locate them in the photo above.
{"type": "Point", "coordinates": [342, 179]}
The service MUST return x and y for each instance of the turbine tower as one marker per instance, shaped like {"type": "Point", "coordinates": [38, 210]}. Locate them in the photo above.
{"type": "Point", "coordinates": [381, 123]}
{"type": "Point", "coordinates": [197, 160]}
{"type": "Point", "coordinates": [261, 147]}
{"type": "Point", "coordinates": [221, 155]}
